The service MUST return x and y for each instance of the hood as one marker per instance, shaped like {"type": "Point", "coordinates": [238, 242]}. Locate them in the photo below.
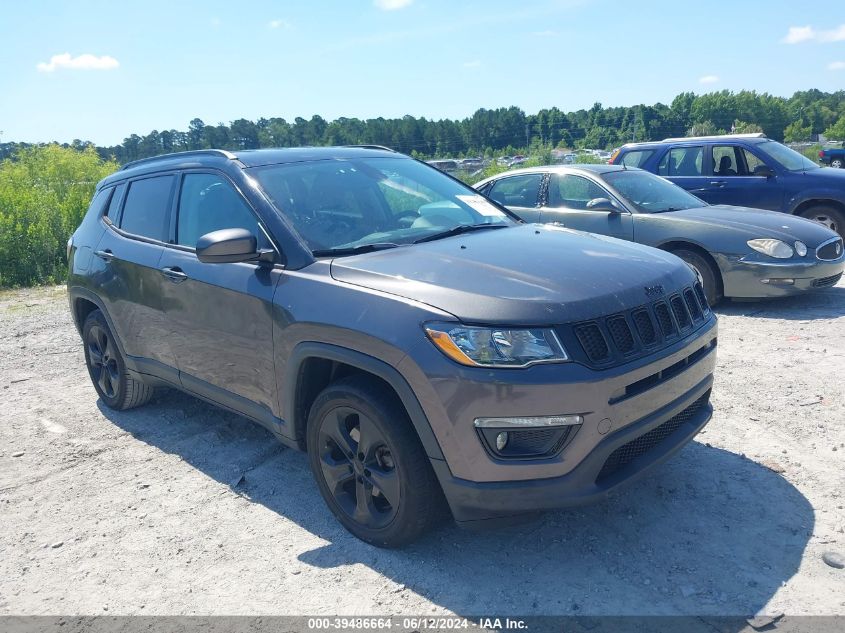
{"type": "Point", "coordinates": [760, 223]}
{"type": "Point", "coordinates": [526, 275]}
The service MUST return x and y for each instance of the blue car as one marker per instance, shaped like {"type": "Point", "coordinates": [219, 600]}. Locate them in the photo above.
{"type": "Point", "coordinates": [747, 170]}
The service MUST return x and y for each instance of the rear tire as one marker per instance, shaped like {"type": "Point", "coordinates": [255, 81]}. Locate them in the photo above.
{"type": "Point", "coordinates": [836, 162]}
{"type": "Point", "coordinates": [830, 216]}
{"type": "Point", "coordinates": [705, 271]}
{"type": "Point", "coordinates": [116, 388]}
{"type": "Point", "coordinates": [369, 464]}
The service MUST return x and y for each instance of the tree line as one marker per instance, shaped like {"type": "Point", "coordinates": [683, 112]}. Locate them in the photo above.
{"type": "Point", "coordinates": [801, 117]}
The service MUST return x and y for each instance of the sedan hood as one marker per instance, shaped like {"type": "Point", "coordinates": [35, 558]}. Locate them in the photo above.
{"type": "Point", "coordinates": [760, 223]}
{"type": "Point", "coordinates": [525, 275]}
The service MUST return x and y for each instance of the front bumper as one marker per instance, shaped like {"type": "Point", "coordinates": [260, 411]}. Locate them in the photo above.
{"type": "Point", "coordinates": [590, 481]}
{"type": "Point", "coordinates": [743, 277]}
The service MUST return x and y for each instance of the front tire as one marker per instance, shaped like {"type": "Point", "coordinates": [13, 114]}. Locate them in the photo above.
{"type": "Point", "coordinates": [830, 216]}
{"type": "Point", "coordinates": [706, 273]}
{"type": "Point", "coordinates": [116, 388]}
{"type": "Point", "coordinates": [369, 464]}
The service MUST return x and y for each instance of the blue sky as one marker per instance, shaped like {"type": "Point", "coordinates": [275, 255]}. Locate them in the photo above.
{"type": "Point", "coordinates": [100, 70]}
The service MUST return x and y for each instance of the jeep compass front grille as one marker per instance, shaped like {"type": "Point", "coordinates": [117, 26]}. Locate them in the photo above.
{"type": "Point", "coordinates": [620, 337]}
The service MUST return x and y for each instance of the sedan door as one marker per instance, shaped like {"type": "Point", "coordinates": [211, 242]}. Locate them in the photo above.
{"type": "Point", "coordinates": [220, 315]}
{"type": "Point", "coordinates": [567, 203]}
{"type": "Point", "coordinates": [520, 193]}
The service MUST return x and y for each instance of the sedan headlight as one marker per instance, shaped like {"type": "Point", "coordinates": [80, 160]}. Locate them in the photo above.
{"type": "Point", "coordinates": [496, 347]}
{"type": "Point", "coordinates": [771, 247]}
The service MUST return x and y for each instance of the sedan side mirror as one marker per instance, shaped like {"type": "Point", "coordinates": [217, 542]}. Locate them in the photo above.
{"type": "Point", "coordinates": [764, 171]}
{"type": "Point", "coordinates": [603, 204]}
{"type": "Point", "coordinates": [229, 246]}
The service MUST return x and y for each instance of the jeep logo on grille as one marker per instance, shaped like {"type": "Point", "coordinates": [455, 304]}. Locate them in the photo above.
{"type": "Point", "coordinates": [652, 292]}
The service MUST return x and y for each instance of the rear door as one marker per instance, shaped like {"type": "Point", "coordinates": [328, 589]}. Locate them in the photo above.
{"type": "Point", "coordinates": [684, 165]}
{"type": "Point", "coordinates": [566, 204]}
{"type": "Point", "coordinates": [519, 193]}
{"type": "Point", "coordinates": [126, 272]}
{"type": "Point", "coordinates": [220, 315]}
{"type": "Point", "coordinates": [735, 179]}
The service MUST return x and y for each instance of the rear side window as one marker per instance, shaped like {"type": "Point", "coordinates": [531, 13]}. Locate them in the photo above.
{"type": "Point", "coordinates": [637, 157]}
{"type": "Point", "coordinates": [209, 203]}
{"type": "Point", "coordinates": [517, 191]}
{"type": "Point", "coordinates": [114, 203]}
{"type": "Point", "coordinates": [99, 201]}
{"type": "Point", "coordinates": [145, 209]}
{"type": "Point", "coordinates": [682, 161]}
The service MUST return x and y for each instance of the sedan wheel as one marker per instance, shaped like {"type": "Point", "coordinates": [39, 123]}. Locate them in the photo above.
{"type": "Point", "coordinates": [708, 276]}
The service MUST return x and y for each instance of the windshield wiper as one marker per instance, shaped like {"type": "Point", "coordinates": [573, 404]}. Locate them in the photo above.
{"type": "Point", "coordinates": [459, 229]}
{"type": "Point", "coordinates": [353, 250]}
{"type": "Point", "coordinates": [667, 210]}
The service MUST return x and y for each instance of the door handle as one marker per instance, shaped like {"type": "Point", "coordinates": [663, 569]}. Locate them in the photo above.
{"type": "Point", "coordinates": [718, 183]}
{"type": "Point", "coordinates": [174, 274]}
{"type": "Point", "coordinates": [106, 255]}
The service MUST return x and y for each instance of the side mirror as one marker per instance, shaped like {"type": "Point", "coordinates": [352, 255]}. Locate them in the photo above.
{"type": "Point", "coordinates": [603, 204]}
{"type": "Point", "coordinates": [764, 171]}
{"type": "Point", "coordinates": [228, 246]}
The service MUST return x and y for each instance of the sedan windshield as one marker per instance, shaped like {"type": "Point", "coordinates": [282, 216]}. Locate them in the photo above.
{"type": "Point", "coordinates": [343, 207]}
{"type": "Point", "coordinates": [648, 193]}
{"type": "Point", "coordinates": [788, 158]}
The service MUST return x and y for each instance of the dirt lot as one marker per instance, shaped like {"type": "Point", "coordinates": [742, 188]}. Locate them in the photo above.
{"type": "Point", "coordinates": [179, 508]}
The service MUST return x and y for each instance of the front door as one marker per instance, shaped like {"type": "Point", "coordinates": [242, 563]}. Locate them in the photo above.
{"type": "Point", "coordinates": [567, 201]}
{"type": "Point", "coordinates": [220, 315]}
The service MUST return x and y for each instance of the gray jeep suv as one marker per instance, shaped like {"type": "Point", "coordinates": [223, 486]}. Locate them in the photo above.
{"type": "Point", "coordinates": [416, 339]}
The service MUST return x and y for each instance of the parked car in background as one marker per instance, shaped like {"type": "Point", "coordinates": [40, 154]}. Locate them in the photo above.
{"type": "Point", "coordinates": [735, 251]}
{"type": "Point", "coordinates": [832, 156]}
{"type": "Point", "coordinates": [444, 165]}
{"type": "Point", "coordinates": [747, 170]}
{"type": "Point", "coordinates": [419, 342]}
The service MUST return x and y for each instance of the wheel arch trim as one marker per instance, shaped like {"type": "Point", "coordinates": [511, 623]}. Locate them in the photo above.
{"type": "Point", "coordinates": [369, 364]}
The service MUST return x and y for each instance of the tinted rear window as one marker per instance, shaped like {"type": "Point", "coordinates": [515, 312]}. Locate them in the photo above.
{"type": "Point", "coordinates": [145, 209]}
{"type": "Point", "coordinates": [637, 157]}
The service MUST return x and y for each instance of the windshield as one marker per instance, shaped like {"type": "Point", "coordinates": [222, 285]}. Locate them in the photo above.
{"type": "Point", "coordinates": [648, 193]}
{"type": "Point", "coordinates": [368, 203]}
{"type": "Point", "coordinates": [788, 158]}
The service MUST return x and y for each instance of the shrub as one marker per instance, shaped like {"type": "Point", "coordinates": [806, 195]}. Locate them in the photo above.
{"type": "Point", "coordinates": [44, 192]}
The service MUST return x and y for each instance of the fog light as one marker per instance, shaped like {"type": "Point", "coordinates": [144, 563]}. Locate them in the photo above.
{"type": "Point", "coordinates": [501, 441]}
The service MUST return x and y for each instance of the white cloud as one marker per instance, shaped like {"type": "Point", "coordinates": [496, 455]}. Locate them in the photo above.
{"type": "Point", "coordinates": [708, 79]}
{"type": "Point", "coordinates": [80, 62]}
{"type": "Point", "coordinates": [836, 66]}
{"type": "Point", "coordinates": [391, 5]}
{"type": "Point", "coordinates": [798, 34]}
{"type": "Point", "coordinates": [473, 64]}
{"type": "Point", "coordinates": [278, 24]}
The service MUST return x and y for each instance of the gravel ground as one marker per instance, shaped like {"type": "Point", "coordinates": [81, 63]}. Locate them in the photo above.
{"type": "Point", "coordinates": [180, 508]}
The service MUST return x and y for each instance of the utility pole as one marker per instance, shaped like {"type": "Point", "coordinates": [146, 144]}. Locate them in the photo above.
{"type": "Point", "coordinates": [527, 137]}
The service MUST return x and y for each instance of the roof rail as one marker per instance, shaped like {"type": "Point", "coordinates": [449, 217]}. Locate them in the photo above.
{"type": "Point", "coordinates": [369, 146]}
{"type": "Point", "coordinates": [714, 136]}
{"type": "Point", "coordinates": [197, 152]}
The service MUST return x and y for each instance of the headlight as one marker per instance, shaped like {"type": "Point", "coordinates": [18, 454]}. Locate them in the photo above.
{"type": "Point", "coordinates": [496, 347]}
{"type": "Point", "coordinates": [771, 247]}
{"type": "Point", "coordinates": [800, 248]}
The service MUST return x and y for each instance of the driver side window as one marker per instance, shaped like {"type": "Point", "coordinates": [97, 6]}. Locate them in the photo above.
{"type": "Point", "coordinates": [573, 192]}
{"type": "Point", "coordinates": [207, 203]}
